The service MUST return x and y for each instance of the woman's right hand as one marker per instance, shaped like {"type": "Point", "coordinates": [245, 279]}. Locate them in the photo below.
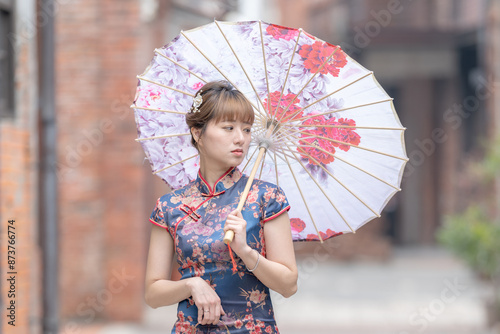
{"type": "Point", "coordinates": [207, 301]}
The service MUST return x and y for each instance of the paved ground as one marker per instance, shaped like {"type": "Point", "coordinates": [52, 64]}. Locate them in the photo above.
{"type": "Point", "coordinates": [416, 291]}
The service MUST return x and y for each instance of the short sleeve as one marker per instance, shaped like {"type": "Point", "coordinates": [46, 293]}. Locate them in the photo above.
{"type": "Point", "coordinates": [276, 204]}
{"type": "Point", "coordinates": [158, 216]}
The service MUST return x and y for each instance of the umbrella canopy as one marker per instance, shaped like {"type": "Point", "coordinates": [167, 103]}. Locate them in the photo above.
{"type": "Point", "coordinates": [334, 141]}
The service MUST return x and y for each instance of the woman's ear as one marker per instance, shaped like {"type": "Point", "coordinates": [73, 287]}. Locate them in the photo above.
{"type": "Point", "coordinates": [195, 132]}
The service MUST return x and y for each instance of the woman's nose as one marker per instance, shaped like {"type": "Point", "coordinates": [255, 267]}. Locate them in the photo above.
{"type": "Point", "coordinates": [239, 136]}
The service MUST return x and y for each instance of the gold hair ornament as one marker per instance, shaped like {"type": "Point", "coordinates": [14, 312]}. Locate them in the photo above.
{"type": "Point", "coordinates": [197, 101]}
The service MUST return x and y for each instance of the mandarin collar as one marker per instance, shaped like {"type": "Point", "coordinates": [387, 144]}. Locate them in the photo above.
{"type": "Point", "coordinates": [226, 181]}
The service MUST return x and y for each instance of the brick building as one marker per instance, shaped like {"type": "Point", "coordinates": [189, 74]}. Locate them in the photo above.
{"type": "Point", "coordinates": [105, 191]}
{"type": "Point", "coordinates": [18, 170]}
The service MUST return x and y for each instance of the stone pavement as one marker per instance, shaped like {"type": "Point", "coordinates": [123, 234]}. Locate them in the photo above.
{"type": "Point", "coordinates": [423, 290]}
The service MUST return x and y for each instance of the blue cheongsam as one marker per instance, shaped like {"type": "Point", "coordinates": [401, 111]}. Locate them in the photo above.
{"type": "Point", "coordinates": [194, 216]}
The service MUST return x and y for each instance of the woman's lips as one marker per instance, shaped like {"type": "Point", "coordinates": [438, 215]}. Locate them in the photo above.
{"type": "Point", "coordinates": [237, 152]}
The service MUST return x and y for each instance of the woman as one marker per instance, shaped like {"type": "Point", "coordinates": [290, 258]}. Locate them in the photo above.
{"type": "Point", "coordinates": [191, 222]}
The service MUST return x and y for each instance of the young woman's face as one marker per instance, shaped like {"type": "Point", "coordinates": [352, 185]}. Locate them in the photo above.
{"type": "Point", "coordinates": [224, 144]}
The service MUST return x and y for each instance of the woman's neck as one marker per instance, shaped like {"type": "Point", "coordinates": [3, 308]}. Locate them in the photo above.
{"type": "Point", "coordinates": [211, 175]}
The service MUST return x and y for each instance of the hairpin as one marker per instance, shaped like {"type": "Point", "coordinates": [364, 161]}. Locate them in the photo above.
{"type": "Point", "coordinates": [198, 100]}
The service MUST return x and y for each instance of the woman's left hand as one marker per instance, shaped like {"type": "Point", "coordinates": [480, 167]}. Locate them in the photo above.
{"type": "Point", "coordinates": [238, 225]}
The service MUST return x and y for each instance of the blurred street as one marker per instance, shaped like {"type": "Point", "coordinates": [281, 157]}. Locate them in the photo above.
{"type": "Point", "coordinates": [417, 291]}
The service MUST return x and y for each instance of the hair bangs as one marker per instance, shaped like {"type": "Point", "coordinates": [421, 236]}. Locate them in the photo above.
{"type": "Point", "coordinates": [234, 108]}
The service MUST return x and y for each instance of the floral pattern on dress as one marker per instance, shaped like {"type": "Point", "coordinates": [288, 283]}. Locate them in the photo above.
{"type": "Point", "coordinates": [194, 216]}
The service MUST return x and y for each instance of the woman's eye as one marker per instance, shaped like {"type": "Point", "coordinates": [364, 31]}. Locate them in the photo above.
{"type": "Point", "coordinates": [228, 127]}
{"type": "Point", "coordinates": [248, 130]}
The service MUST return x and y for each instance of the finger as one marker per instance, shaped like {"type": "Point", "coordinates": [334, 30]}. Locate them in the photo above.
{"type": "Point", "coordinates": [236, 213]}
{"type": "Point", "coordinates": [235, 220]}
{"type": "Point", "coordinates": [209, 316]}
{"type": "Point", "coordinates": [212, 315]}
{"type": "Point", "coordinates": [218, 309]}
{"type": "Point", "coordinates": [200, 314]}
{"type": "Point", "coordinates": [234, 228]}
{"type": "Point", "coordinates": [232, 218]}
{"type": "Point", "coordinates": [230, 225]}
{"type": "Point", "coordinates": [206, 316]}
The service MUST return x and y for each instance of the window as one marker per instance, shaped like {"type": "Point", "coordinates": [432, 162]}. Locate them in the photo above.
{"type": "Point", "coordinates": [6, 59]}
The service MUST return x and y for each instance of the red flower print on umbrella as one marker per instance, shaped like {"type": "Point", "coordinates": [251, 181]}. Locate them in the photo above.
{"type": "Point", "coordinates": [329, 234]}
{"type": "Point", "coordinates": [345, 135]}
{"type": "Point", "coordinates": [310, 150]}
{"type": "Point", "coordinates": [316, 54]}
{"type": "Point", "coordinates": [281, 32]}
{"type": "Point", "coordinates": [322, 135]}
{"type": "Point", "coordinates": [297, 225]}
{"type": "Point", "coordinates": [287, 108]}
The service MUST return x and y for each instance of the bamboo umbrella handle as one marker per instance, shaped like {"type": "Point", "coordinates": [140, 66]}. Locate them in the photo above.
{"type": "Point", "coordinates": [228, 237]}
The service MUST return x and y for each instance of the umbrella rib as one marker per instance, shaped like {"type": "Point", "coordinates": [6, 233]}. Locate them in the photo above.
{"type": "Point", "coordinates": [293, 137]}
{"type": "Point", "coordinates": [323, 191]}
{"type": "Point", "coordinates": [258, 130]}
{"type": "Point", "coordinates": [307, 83]}
{"type": "Point", "coordinates": [339, 182]}
{"type": "Point", "coordinates": [178, 162]}
{"type": "Point", "coordinates": [164, 136]}
{"type": "Point", "coordinates": [304, 199]}
{"type": "Point", "coordinates": [134, 106]}
{"type": "Point", "coordinates": [241, 65]}
{"type": "Point", "coordinates": [218, 69]}
{"type": "Point", "coordinates": [265, 68]}
{"type": "Point", "coordinates": [276, 168]}
{"type": "Point", "coordinates": [284, 136]}
{"type": "Point", "coordinates": [282, 152]}
{"type": "Point", "coordinates": [262, 165]}
{"type": "Point", "coordinates": [366, 172]}
{"type": "Point", "coordinates": [287, 73]}
{"type": "Point", "coordinates": [328, 95]}
{"type": "Point", "coordinates": [244, 167]}
{"type": "Point", "coordinates": [349, 144]}
{"type": "Point", "coordinates": [344, 127]}
{"type": "Point", "coordinates": [181, 66]}
{"type": "Point", "coordinates": [349, 163]}
{"type": "Point", "coordinates": [342, 109]}
{"type": "Point", "coordinates": [164, 86]}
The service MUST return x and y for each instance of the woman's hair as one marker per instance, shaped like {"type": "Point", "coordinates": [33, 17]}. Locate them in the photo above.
{"type": "Point", "coordinates": [221, 102]}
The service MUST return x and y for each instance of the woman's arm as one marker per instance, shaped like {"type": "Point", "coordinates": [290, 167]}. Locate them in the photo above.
{"type": "Point", "coordinates": [161, 291]}
{"type": "Point", "coordinates": [278, 270]}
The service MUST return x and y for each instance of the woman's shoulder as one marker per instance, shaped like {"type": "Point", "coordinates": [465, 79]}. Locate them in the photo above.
{"type": "Point", "coordinates": [268, 191]}
{"type": "Point", "coordinates": [175, 194]}
{"type": "Point", "coordinates": [265, 184]}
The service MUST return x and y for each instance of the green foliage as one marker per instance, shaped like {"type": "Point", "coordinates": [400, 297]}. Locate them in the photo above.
{"type": "Point", "coordinates": [475, 238]}
{"type": "Point", "coordinates": [491, 163]}
{"type": "Point", "coordinates": [474, 235]}
{"type": "Point", "coordinates": [489, 168]}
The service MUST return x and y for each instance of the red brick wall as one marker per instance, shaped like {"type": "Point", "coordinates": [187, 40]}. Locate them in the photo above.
{"type": "Point", "coordinates": [77, 108]}
{"type": "Point", "coordinates": [106, 191]}
{"type": "Point", "coordinates": [17, 202]}
{"type": "Point", "coordinates": [18, 196]}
